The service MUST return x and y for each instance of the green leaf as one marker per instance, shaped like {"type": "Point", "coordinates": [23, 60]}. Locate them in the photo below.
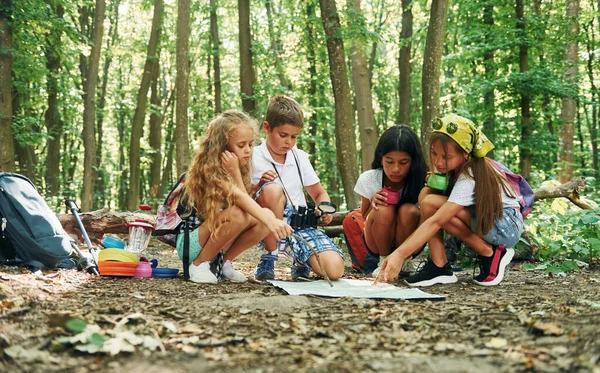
{"type": "Point", "coordinates": [590, 219]}
{"type": "Point", "coordinates": [96, 339]}
{"type": "Point", "coordinates": [76, 325]}
{"type": "Point", "coordinates": [594, 242]}
{"type": "Point", "coordinates": [533, 267]}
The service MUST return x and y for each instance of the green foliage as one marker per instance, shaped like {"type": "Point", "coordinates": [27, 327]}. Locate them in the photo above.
{"type": "Point", "coordinates": [76, 325]}
{"type": "Point", "coordinates": [564, 235]}
{"type": "Point", "coordinates": [468, 74]}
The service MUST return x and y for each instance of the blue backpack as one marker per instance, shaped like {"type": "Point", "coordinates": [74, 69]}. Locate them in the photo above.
{"type": "Point", "coordinates": [519, 184]}
{"type": "Point", "coordinates": [31, 234]}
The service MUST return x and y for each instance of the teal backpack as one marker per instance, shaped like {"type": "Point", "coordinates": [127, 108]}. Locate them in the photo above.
{"type": "Point", "coordinates": [31, 234]}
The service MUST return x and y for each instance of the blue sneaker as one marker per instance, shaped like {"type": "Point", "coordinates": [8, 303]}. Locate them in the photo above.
{"type": "Point", "coordinates": [265, 269]}
{"type": "Point", "coordinates": [299, 270]}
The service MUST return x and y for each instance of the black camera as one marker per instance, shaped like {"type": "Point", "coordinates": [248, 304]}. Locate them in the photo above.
{"type": "Point", "coordinates": [306, 217]}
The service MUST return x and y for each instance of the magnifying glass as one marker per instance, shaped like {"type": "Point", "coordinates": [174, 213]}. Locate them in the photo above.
{"type": "Point", "coordinates": [326, 207]}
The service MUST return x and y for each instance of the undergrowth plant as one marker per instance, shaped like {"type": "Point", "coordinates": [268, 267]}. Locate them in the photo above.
{"type": "Point", "coordinates": [565, 235]}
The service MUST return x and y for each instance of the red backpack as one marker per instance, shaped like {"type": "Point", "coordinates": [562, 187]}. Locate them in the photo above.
{"type": "Point", "coordinates": [354, 227]}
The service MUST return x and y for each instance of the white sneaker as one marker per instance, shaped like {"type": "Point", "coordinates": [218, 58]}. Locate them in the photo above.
{"type": "Point", "coordinates": [202, 274]}
{"type": "Point", "coordinates": [378, 269]}
{"type": "Point", "coordinates": [231, 274]}
{"type": "Point", "coordinates": [408, 267]}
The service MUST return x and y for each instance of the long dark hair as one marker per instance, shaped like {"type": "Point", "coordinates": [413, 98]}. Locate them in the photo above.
{"type": "Point", "coordinates": [402, 138]}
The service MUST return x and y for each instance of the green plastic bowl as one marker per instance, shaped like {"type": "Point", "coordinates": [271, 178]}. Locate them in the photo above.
{"type": "Point", "coordinates": [437, 181]}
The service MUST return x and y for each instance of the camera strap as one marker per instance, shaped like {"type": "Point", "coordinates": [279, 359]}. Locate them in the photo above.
{"type": "Point", "coordinates": [283, 185]}
{"type": "Point", "coordinates": [281, 179]}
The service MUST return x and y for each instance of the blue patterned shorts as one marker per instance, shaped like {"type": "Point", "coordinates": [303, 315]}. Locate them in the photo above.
{"type": "Point", "coordinates": [295, 248]}
{"type": "Point", "coordinates": [506, 231]}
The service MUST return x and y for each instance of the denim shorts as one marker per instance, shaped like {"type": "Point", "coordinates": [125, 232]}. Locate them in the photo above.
{"type": "Point", "coordinates": [195, 247]}
{"type": "Point", "coordinates": [506, 230]}
{"type": "Point", "coordinates": [295, 248]}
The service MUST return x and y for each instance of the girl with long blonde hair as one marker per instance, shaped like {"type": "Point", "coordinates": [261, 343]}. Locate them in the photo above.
{"type": "Point", "coordinates": [216, 189]}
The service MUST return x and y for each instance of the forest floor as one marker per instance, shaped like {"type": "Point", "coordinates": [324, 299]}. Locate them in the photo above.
{"type": "Point", "coordinates": [530, 322]}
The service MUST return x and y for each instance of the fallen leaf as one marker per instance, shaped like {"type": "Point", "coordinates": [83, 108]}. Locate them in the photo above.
{"type": "Point", "coordinates": [31, 355]}
{"type": "Point", "coordinates": [137, 295]}
{"type": "Point", "coordinates": [496, 343]}
{"type": "Point", "coordinates": [549, 328]}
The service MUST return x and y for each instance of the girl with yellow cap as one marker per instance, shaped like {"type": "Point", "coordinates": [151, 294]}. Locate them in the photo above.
{"type": "Point", "coordinates": [478, 206]}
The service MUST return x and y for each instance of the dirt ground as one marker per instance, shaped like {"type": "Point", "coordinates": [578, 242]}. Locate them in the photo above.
{"type": "Point", "coordinates": [531, 322]}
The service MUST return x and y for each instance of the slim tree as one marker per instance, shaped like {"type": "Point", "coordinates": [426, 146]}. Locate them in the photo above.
{"type": "Point", "coordinates": [362, 93]}
{"type": "Point", "coordinates": [133, 193]}
{"type": "Point", "coordinates": [52, 115]}
{"type": "Point", "coordinates": [216, 54]}
{"type": "Point", "coordinates": [567, 115]}
{"type": "Point", "coordinates": [525, 102]}
{"type": "Point", "coordinates": [247, 74]}
{"type": "Point", "coordinates": [344, 129]}
{"type": "Point", "coordinates": [404, 67]}
{"type": "Point", "coordinates": [90, 82]}
{"type": "Point", "coordinates": [432, 60]}
{"type": "Point", "coordinates": [7, 152]}
{"type": "Point", "coordinates": [489, 97]}
{"type": "Point", "coordinates": [100, 195]}
{"type": "Point", "coordinates": [182, 141]}
{"type": "Point", "coordinates": [276, 48]}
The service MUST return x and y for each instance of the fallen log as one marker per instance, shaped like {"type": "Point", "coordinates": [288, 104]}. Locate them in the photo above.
{"type": "Point", "coordinates": [102, 221]}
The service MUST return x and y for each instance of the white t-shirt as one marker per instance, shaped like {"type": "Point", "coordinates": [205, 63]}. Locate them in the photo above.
{"type": "Point", "coordinates": [262, 161]}
{"type": "Point", "coordinates": [463, 193]}
{"type": "Point", "coordinates": [369, 183]}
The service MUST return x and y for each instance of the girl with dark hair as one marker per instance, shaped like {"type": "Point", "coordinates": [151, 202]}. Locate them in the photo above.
{"type": "Point", "coordinates": [479, 207]}
{"type": "Point", "coordinates": [389, 193]}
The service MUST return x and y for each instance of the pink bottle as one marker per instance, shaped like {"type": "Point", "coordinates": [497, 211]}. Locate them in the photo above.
{"type": "Point", "coordinates": [143, 270]}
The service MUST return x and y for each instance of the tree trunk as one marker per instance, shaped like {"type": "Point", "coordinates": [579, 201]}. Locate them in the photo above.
{"type": "Point", "coordinates": [167, 179]}
{"type": "Point", "coordinates": [121, 119]}
{"type": "Point", "coordinates": [432, 61]}
{"type": "Point", "coordinates": [404, 66]}
{"type": "Point", "coordinates": [25, 153]}
{"type": "Point", "coordinates": [155, 134]}
{"type": "Point", "coordinates": [489, 99]}
{"type": "Point", "coordinates": [593, 125]}
{"type": "Point", "coordinates": [52, 115]}
{"type": "Point", "coordinates": [247, 74]}
{"type": "Point", "coordinates": [344, 129]}
{"type": "Point", "coordinates": [524, 148]}
{"type": "Point", "coordinates": [7, 151]}
{"type": "Point", "coordinates": [311, 56]}
{"type": "Point", "coordinates": [102, 176]}
{"type": "Point", "coordinates": [182, 140]}
{"type": "Point", "coordinates": [89, 108]}
{"type": "Point", "coordinates": [216, 54]}
{"type": "Point", "coordinates": [362, 92]}
{"type": "Point", "coordinates": [276, 49]}
{"type": "Point", "coordinates": [133, 193]}
{"type": "Point", "coordinates": [567, 115]}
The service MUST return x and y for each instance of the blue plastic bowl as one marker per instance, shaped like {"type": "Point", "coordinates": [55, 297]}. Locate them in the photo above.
{"type": "Point", "coordinates": [165, 272]}
{"type": "Point", "coordinates": [113, 243]}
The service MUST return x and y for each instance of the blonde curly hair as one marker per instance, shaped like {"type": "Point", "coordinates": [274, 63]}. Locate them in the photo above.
{"type": "Point", "coordinates": [208, 187]}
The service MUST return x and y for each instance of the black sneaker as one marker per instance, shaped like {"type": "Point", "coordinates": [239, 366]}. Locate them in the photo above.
{"type": "Point", "coordinates": [431, 274]}
{"type": "Point", "coordinates": [492, 268]}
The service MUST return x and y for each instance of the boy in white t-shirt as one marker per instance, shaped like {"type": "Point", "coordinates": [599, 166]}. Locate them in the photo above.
{"type": "Point", "coordinates": [280, 172]}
